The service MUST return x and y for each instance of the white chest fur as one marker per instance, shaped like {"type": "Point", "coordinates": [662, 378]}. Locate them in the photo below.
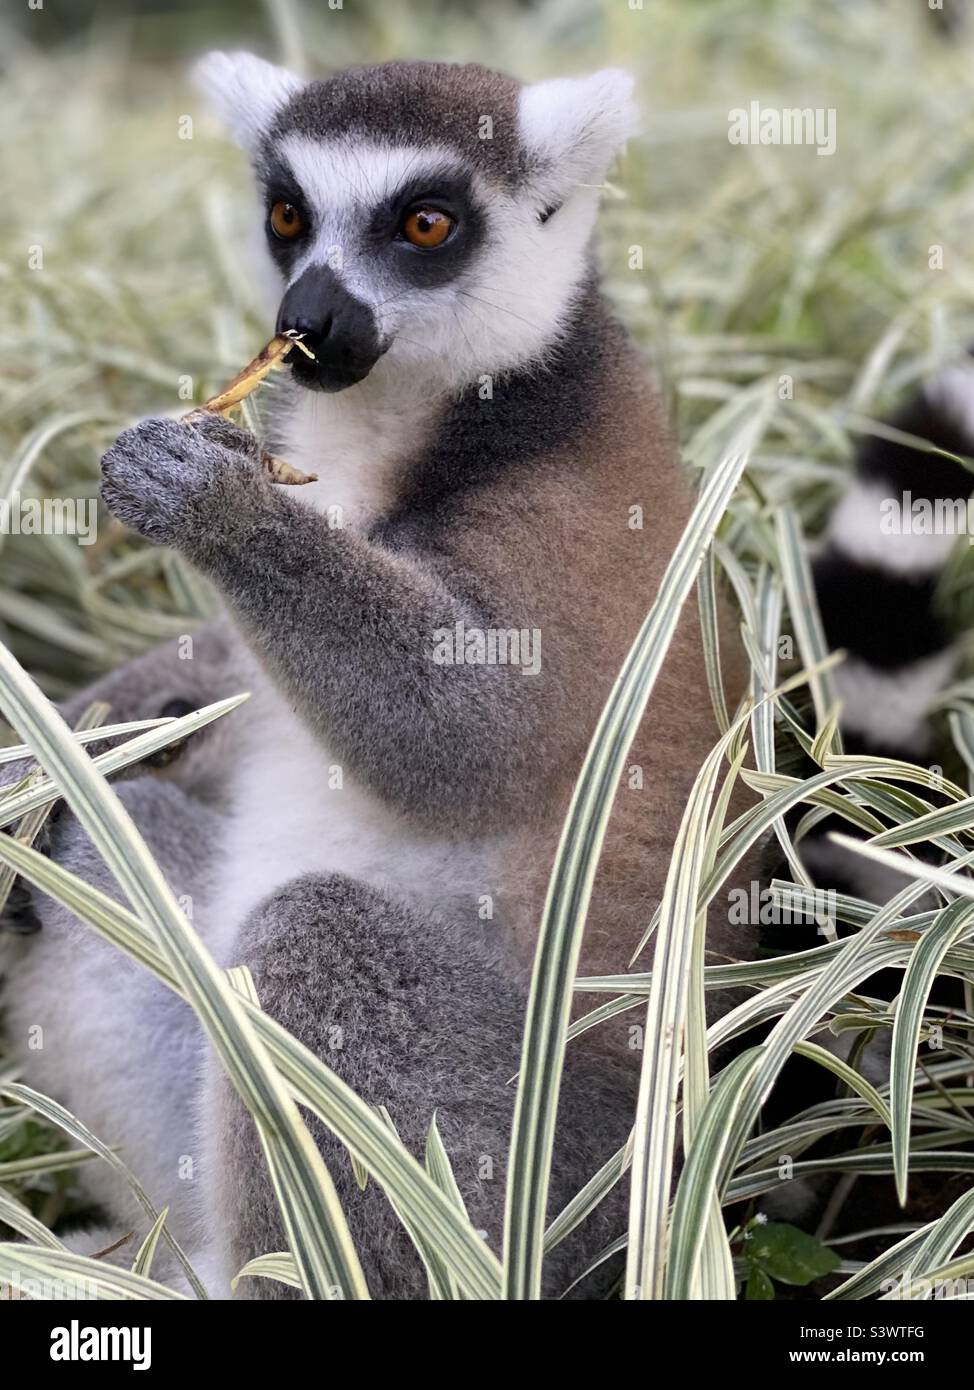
{"type": "Point", "coordinates": [356, 441]}
{"type": "Point", "coordinates": [297, 811]}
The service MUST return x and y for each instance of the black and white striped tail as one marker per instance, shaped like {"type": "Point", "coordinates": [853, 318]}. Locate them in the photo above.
{"type": "Point", "coordinates": [876, 586]}
{"type": "Point", "coordinates": [876, 591]}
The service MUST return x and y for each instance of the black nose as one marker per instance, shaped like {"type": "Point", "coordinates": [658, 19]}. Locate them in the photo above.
{"type": "Point", "coordinates": [339, 329]}
{"type": "Point", "coordinates": [313, 329]}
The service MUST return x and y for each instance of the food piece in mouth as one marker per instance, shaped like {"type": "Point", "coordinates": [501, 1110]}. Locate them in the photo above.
{"type": "Point", "coordinates": [246, 381]}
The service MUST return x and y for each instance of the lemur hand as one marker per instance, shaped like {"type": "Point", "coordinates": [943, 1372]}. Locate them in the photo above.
{"type": "Point", "coordinates": [174, 480]}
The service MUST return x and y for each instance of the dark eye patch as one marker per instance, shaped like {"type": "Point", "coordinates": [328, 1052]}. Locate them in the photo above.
{"type": "Point", "coordinates": [279, 185]}
{"type": "Point", "coordinates": [445, 187]}
{"type": "Point", "coordinates": [176, 709]}
{"type": "Point", "coordinates": [165, 757]}
{"type": "Point", "coordinates": [446, 190]}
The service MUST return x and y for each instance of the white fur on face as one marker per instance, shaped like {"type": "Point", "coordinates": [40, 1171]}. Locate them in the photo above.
{"type": "Point", "coordinates": [507, 308]}
{"type": "Point", "coordinates": [504, 310]}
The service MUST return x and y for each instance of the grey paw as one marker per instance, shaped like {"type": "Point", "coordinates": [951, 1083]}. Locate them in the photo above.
{"type": "Point", "coordinates": [170, 480]}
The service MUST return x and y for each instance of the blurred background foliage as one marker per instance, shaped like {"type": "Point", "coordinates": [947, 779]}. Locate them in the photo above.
{"type": "Point", "coordinates": [732, 264]}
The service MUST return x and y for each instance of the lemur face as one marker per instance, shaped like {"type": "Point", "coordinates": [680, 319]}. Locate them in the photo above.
{"type": "Point", "coordinates": [423, 217]}
{"type": "Point", "coordinates": [364, 234]}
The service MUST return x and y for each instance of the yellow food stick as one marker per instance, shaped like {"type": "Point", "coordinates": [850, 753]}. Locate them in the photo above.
{"type": "Point", "coordinates": [240, 388]}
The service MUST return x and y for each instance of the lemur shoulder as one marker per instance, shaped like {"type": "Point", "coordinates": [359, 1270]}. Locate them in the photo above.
{"type": "Point", "coordinates": [379, 824]}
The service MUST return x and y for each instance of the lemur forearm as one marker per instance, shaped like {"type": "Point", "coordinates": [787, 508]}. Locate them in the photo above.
{"type": "Point", "coordinates": [347, 628]}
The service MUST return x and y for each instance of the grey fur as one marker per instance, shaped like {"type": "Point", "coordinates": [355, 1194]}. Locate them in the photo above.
{"type": "Point", "coordinates": [200, 668]}
{"type": "Point", "coordinates": [414, 103]}
{"type": "Point", "coordinates": [419, 1025]}
{"type": "Point", "coordinates": [385, 998]}
{"type": "Point", "coordinates": [423, 1025]}
{"type": "Point", "coordinates": [412, 731]}
{"type": "Point", "coordinates": [501, 511]}
{"type": "Point", "coordinates": [111, 1036]}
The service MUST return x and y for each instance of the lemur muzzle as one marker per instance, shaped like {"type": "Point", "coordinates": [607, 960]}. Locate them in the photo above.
{"type": "Point", "coordinates": [339, 329]}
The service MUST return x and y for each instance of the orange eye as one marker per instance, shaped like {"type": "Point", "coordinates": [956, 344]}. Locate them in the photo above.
{"type": "Point", "coordinates": [427, 228]}
{"type": "Point", "coordinates": [286, 221]}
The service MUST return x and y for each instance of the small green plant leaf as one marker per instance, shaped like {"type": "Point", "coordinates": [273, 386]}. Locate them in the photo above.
{"type": "Point", "coordinates": [789, 1255]}
{"type": "Point", "coordinates": [759, 1286]}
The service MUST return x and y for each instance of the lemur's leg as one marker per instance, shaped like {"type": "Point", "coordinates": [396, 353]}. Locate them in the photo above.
{"type": "Point", "coordinates": [414, 1022]}
{"type": "Point", "coordinates": [345, 625]}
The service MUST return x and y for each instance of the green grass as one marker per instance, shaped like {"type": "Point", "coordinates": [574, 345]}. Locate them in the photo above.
{"type": "Point", "coordinates": [785, 300]}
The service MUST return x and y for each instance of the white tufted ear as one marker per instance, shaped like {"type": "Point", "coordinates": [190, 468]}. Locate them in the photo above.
{"type": "Point", "coordinates": [244, 92]}
{"type": "Point", "coordinates": [574, 127]}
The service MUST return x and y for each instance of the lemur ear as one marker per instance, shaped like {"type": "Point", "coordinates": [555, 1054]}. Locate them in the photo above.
{"type": "Point", "coordinates": [574, 127]}
{"type": "Point", "coordinates": [245, 92]}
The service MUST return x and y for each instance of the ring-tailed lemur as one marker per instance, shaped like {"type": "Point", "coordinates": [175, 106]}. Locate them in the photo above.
{"type": "Point", "coordinates": [876, 578]}
{"type": "Point", "coordinates": [429, 633]}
